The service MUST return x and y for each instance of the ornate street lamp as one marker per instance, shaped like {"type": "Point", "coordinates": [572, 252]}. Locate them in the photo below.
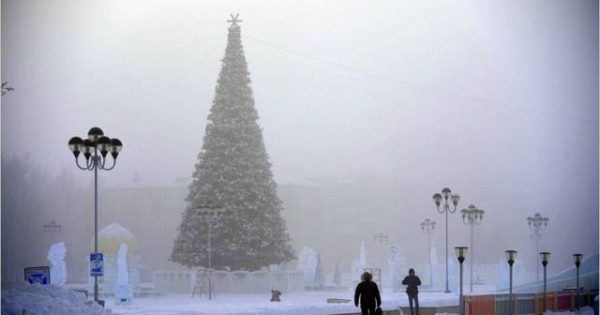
{"type": "Point", "coordinates": [437, 199]}
{"type": "Point", "coordinates": [95, 149]}
{"type": "Point", "coordinates": [428, 226]}
{"type": "Point", "coordinates": [577, 259]}
{"type": "Point", "coordinates": [461, 252]}
{"type": "Point", "coordinates": [380, 239]}
{"type": "Point", "coordinates": [472, 216]}
{"type": "Point", "coordinates": [511, 255]}
{"type": "Point", "coordinates": [6, 88]}
{"type": "Point", "coordinates": [211, 215]}
{"type": "Point", "coordinates": [52, 227]}
{"type": "Point", "coordinates": [545, 256]}
{"type": "Point", "coordinates": [537, 225]}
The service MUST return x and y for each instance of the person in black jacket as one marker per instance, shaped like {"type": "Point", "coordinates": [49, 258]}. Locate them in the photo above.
{"type": "Point", "coordinates": [412, 282]}
{"type": "Point", "coordinates": [368, 292]}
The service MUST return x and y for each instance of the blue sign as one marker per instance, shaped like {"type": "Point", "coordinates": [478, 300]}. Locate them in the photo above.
{"type": "Point", "coordinates": [37, 275]}
{"type": "Point", "coordinates": [96, 264]}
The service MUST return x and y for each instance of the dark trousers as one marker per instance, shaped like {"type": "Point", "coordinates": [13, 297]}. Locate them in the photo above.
{"type": "Point", "coordinates": [368, 310]}
{"type": "Point", "coordinates": [410, 302]}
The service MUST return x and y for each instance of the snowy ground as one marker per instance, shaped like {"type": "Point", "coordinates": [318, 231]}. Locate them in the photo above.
{"type": "Point", "coordinates": [43, 300]}
{"type": "Point", "coordinates": [305, 303]}
{"type": "Point", "coordinates": [314, 303]}
{"type": "Point", "coordinates": [584, 311]}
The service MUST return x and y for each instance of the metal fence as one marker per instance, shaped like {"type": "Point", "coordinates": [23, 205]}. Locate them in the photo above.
{"type": "Point", "coordinates": [525, 303]}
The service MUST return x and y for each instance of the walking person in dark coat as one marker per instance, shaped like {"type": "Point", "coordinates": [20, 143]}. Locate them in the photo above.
{"type": "Point", "coordinates": [368, 292]}
{"type": "Point", "coordinates": [412, 282]}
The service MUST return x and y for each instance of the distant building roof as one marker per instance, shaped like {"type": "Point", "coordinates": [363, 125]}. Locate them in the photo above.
{"type": "Point", "coordinates": [111, 237]}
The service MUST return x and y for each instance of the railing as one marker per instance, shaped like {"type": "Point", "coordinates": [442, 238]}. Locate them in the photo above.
{"type": "Point", "coordinates": [231, 282]}
{"type": "Point", "coordinates": [525, 303]}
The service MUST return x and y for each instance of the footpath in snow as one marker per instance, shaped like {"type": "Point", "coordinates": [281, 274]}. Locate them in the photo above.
{"type": "Point", "coordinates": [301, 303]}
{"type": "Point", "coordinates": [44, 300]}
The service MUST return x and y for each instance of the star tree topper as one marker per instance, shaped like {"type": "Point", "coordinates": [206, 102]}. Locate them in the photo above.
{"type": "Point", "coordinates": [234, 20]}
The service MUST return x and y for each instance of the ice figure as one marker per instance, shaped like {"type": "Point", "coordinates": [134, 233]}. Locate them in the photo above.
{"type": "Point", "coordinates": [123, 293]}
{"type": "Point", "coordinates": [363, 256]}
{"type": "Point", "coordinates": [303, 258]}
{"type": "Point", "coordinates": [122, 275]}
{"type": "Point", "coordinates": [359, 265]}
{"type": "Point", "coordinates": [435, 267]}
{"type": "Point", "coordinates": [307, 263]}
{"type": "Point", "coordinates": [454, 273]}
{"type": "Point", "coordinates": [56, 256]}
{"type": "Point", "coordinates": [502, 275]}
{"type": "Point", "coordinates": [434, 258]}
{"type": "Point", "coordinates": [395, 264]}
{"type": "Point", "coordinates": [319, 272]}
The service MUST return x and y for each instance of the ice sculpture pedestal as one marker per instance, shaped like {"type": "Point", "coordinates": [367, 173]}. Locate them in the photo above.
{"type": "Point", "coordinates": [123, 295]}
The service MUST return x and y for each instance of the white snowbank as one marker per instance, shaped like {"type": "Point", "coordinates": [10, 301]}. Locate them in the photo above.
{"type": "Point", "coordinates": [49, 299]}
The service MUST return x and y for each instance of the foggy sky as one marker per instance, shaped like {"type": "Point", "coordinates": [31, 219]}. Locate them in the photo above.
{"type": "Point", "coordinates": [496, 99]}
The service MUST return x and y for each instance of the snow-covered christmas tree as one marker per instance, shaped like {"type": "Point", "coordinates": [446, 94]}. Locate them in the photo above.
{"type": "Point", "coordinates": [233, 173]}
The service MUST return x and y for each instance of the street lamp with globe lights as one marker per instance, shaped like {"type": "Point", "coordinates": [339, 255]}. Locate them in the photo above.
{"type": "Point", "coordinates": [428, 226]}
{"type": "Point", "coordinates": [511, 255]}
{"type": "Point", "coordinates": [545, 256]}
{"type": "Point", "coordinates": [461, 253]}
{"type": "Point", "coordinates": [211, 214]}
{"type": "Point", "coordinates": [95, 150]}
{"type": "Point", "coordinates": [472, 216]}
{"type": "Point", "coordinates": [537, 224]}
{"type": "Point", "coordinates": [454, 199]}
{"type": "Point", "coordinates": [577, 260]}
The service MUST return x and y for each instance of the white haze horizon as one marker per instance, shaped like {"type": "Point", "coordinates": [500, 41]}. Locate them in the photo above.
{"type": "Point", "coordinates": [497, 100]}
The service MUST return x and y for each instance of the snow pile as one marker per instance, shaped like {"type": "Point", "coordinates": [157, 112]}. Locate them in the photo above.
{"type": "Point", "coordinates": [49, 299]}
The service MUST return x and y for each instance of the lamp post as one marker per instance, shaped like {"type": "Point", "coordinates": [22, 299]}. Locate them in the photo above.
{"type": "Point", "coordinates": [210, 214]}
{"type": "Point", "coordinates": [537, 224]}
{"type": "Point", "coordinates": [380, 238]}
{"type": "Point", "coordinates": [511, 255]}
{"type": "Point", "coordinates": [577, 259]}
{"type": "Point", "coordinates": [438, 198]}
{"type": "Point", "coordinates": [461, 252]}
{"type": "Point", "coordinates": [6, 88]}
{"type": "Point", "coordinates": [428, 226]}
{"type": "Point", "coordinates": [472, 216]}
{"type": "Point", "coordinates": [95, 149]}
{"type": "Point", "coordinates": [544, 257]}
{"type": "Point", "coordinates": [52, 227]}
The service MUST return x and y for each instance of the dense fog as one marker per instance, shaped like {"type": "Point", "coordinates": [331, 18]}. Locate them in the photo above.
{"type": "Point", "coordinates": [367, 110]}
